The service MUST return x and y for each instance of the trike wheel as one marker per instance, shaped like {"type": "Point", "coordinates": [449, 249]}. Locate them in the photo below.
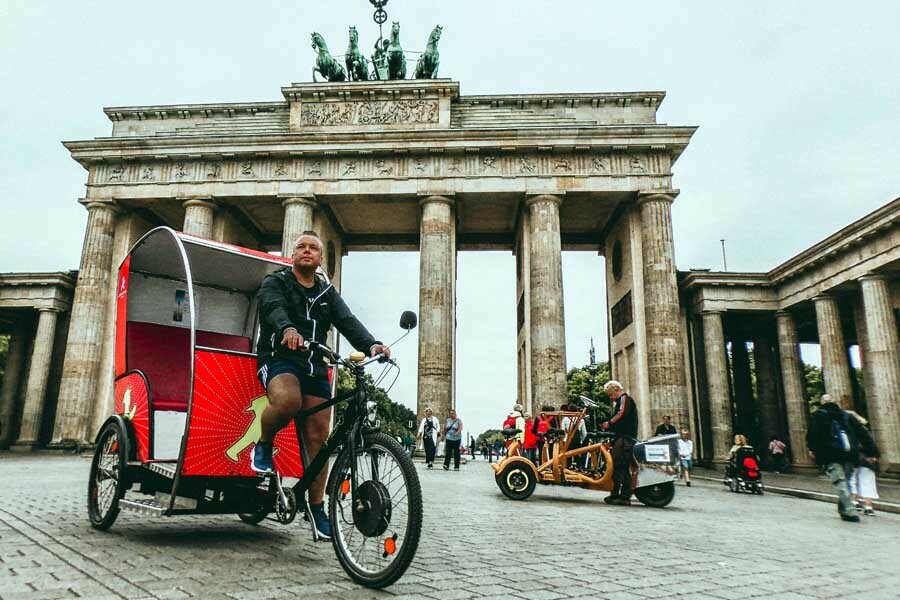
{"type": "Point", "coordinates": [376, 530]}
{"type": "Point", "coordinates": [658, 495]}
{"type": "Point", "coordinates": [517, 481]}
{"type": "Point", "coordinates": [106, 483]}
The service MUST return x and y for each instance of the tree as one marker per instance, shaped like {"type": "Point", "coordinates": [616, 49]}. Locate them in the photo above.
{"type": "Point", "coordinates": [814, 386]}
{"type": "Point", "coordinates": [588, 381]}
{"type": "Point", "coordinates": [4, 351]}
{"type": "Point", "coordinates": [490, 436]}
{"type": "Point", "coordinates": [394, 418]}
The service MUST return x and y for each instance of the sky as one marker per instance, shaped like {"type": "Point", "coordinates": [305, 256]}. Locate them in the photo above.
{"type": "Point", "coordinates": [797, 104]}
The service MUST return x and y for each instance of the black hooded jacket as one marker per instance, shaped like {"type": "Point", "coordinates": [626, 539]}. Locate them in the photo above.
{"type": "Point", "coordinates": [819, 436]}
{"type": "Point", "coordinates": [624, 420]}
{"type": "Point", "coordinates": [284, 303]}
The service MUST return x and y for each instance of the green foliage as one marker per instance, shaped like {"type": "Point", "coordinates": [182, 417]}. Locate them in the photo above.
{"type": "Point", "coordinates": [394, 418]}
{"type": "Point", "coordinates": [588, 381]}
{"type": "Point", "coordinates": [814, 386]}
{"type": "Point", "coordinates": [491, 436]}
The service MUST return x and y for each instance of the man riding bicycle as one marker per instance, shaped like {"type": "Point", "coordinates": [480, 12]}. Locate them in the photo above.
{"type": "Point", "coordinates": [295, 305]}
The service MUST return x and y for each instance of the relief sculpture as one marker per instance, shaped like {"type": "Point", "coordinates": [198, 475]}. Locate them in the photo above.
{"type": "Point", "coordinates": [389, 112]}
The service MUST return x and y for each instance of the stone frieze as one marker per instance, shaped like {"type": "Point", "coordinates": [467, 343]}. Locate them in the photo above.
{"type": "Point", "coordinates": [367, 167]}
{"type": "Point", "coordinates": [386, 112]}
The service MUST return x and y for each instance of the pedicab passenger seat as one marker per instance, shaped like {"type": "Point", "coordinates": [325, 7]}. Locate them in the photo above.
{"type": "Point", "coordinates": [555, 433]}
{"type": "Point", "coordinates": [163, 354]}
{"type": "Point", "coordinates": [510, 432]}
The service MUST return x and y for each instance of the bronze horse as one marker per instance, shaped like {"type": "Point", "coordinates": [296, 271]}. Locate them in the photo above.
{"type": "Point", "coordinates": [427, 66]}
{"type": "Point", "coordinates": [395, 56]}
{"type": "Point", "coordinates": [357, 66]}
{"type": "Point", "coordinates": [329, 68]}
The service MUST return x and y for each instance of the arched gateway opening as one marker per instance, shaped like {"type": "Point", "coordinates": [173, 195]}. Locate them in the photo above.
{"type": "Point", "coordinates": [406, 165]}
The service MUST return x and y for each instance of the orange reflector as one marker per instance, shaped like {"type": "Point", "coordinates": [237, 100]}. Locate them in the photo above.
{"type": "Point", "coordinates": [345, 487]}
{"type": "Point", "coordinates": [114, 447]}
{"type": "Point", "coordinates": [390, 546]}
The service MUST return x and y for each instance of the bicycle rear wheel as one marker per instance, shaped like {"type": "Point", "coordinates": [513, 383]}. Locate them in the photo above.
{"type": "Point", "coordinates": [376, 531]}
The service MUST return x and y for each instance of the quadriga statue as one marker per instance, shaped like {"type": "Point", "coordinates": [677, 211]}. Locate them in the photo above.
{"type": "Point", "coordinates": [427, 67]}
{"type": "Point", "coordinates": [329, 68]}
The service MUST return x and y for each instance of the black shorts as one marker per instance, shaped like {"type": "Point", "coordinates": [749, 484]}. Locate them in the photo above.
{"type": "Point", "coordinates": [310, 385]}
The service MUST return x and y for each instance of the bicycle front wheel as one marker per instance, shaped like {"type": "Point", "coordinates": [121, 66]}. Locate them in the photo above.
{"type": "Point", "coordinates": [376, 530]}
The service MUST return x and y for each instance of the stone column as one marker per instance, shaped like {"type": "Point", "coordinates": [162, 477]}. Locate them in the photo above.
{"type": "Point", "coordinates": [884, 390]}
{"type": "Point", "coordinates": [717, 384]}
{"type": "Point", "coordinates": [768, 407]}
{"type": "Point", "coordinates": [36, 388]}
{"type": "Point", "coordinates": [437, 305]}
{"type": "Point", "coordinates": [743, 389]}
{"type": "Point", "coordinates": [835, 361]}
{"type": "Point", "coordinates": [796, 409]}
{"type": "Point", "coordinates": [198, 217]}
{"type": "Point", "coordinates": [665, 352]}
{"type": "Point", "coordinates": [548, 334]}
{"type": "Point", "coordinates": [9, 394]}
{"type": "Point", "coordinates": [78, 388]}
{"type": "Point", "coordinates": [298, 217]}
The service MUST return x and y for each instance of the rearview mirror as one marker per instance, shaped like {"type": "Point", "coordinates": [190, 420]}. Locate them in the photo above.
{"type": "Point", "coordinates": [408, 320]}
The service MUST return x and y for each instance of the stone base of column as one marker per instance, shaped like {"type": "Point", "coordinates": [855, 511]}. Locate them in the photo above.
{"type": "Point", "coordinates": [24, 447]}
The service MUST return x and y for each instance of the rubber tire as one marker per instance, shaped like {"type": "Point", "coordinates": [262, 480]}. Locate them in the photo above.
{"type": "Point", "coordinates": [98, 521]}
{"type": "Point", "coordinates": [658, 495]}
{"type": "Point", "coordinates": [414, 528]}
{"type": "Point", "coordinates": [530, 481]}
{"type": "Point", "coordinates": [733, 486]}
{"type": "Point", "coordinates": [254, 518]}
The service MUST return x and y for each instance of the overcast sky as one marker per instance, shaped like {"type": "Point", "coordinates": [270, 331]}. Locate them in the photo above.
{"type": "Point", "coordinates": [798, 106]}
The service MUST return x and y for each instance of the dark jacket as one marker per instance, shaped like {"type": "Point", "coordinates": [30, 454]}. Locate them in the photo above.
{"type": "Point", "coordinates": [663, 429]}
{"type": "Point", "coordinates": [284, 303]}
{"type": "Point", "coordinates": [624, 421]}
{"type": "Point", "coordinates": [819, 436]}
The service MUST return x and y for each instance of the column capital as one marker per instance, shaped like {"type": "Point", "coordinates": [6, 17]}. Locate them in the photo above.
{"type": "Point", "coordinates": [532, 198]}
{"type": "Point", "coordinates": [661, 195]}
{"type": "Point", "coordinates": [51, 309]}
{"type": "Point", "coordinates": [872, 277]}
{"type": "Point", "coordinates": [202, 201]}
{"type": "Point", "coordinates": [824, 297]}
{"type": "Point", "coordinates": [712, 311]}
{"type": "Point", "coordinates": [91, 204]}
{"type": "Point", "coordinates": [442, 197]}
{"type": "Point", "coordinates": [784, 314]}
{"type": "Point", "coordinates": [307, 199]}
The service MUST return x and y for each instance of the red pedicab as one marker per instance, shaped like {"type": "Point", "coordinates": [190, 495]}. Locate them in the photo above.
{"type": "Point", "coordinates": [188, 408]}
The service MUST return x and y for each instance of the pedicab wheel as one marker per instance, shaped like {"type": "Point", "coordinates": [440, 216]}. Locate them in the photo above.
{"type": "Point", "coordinates": [733, 485]}
{"type": "Point", "coordinates": [658, 495]}
{"type": "Point", "coordinates": [256, 517]}
{"type": "Point", "coordinates": [517, 481]}
{"type": "Point", "coordinates": [106, 483]}
{"type": "Point", "coordinates": [375, 532]}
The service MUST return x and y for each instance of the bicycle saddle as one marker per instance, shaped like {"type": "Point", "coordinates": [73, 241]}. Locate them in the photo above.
{"type": "Point", "coordinates": [510, 432]}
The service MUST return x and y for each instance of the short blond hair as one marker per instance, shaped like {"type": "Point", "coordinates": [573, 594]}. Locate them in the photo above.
{"type": "Point", "coordinates": [309, 233]}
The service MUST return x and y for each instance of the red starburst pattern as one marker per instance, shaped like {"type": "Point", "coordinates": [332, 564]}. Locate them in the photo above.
{"type": "Point", "coordinates": [131, 402]}
{"type": "Point", "coordinates": [225, 416]}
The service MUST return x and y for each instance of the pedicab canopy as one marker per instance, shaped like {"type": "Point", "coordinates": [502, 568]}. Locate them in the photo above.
{"type": "Point", "coordinates": [186, 327]}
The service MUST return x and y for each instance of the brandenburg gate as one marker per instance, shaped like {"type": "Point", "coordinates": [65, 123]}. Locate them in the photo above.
{"type": "Point", "coordinates": [404, 165]}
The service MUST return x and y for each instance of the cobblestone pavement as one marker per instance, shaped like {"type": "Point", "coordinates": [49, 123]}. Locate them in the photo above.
{"type": "Point", "coordinates": [561, 543]}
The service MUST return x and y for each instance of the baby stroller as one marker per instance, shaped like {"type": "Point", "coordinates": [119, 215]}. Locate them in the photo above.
{"type": "Point", "coordinates": [742, 472]}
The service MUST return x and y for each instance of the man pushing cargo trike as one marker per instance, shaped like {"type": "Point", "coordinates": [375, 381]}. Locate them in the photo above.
{"type": "Point", "coordinates": [611, 460]}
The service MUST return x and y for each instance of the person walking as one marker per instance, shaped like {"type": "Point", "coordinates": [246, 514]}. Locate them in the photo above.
{"type": "Point", "coordinates": [686, 456]}
{"type": "Point", "coordinates": [666, 427]}
{"type": "Point", "coordinates": [453, 427]}
{"type": "Point", "coordinates": [624, 424]}
{"type": "Point", "coordinates": [408, 442]}
{"type": "Point", "coordinates": [835, 440]}
{"type": "Point", "coordinates": [486, 451]}
{"type": "Point", "coordinates": [429, 429]}
{"type": "Point", "coordinates": [862, 481]}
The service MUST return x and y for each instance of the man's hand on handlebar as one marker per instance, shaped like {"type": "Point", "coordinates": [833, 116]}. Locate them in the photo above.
{"type": "Point", "coordinates": [380, 348]}
{"type": "Point", "coordinates": [292, 339]}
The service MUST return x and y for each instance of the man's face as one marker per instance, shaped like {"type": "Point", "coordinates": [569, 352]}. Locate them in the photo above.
{"type": "Point", "coordinates": [667, 420]}
{"type": "Point", "coordinates": [684, 435]}
{"type": "Point", "coordinates": [307, 252]}
{"type": "Point", "coordinates": [452, 414]}
{"type": "Point", "coordinates": [614, 393]}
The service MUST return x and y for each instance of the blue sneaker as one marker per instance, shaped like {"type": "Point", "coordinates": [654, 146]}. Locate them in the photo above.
{"type": "Point", "coordinates": [261, 459]}
{"type": "Point", "coordinates": [320, 519]}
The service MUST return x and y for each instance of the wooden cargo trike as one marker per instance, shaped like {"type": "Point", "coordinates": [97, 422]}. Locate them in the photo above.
{"type": "Point", "coordinates": [188, 409]}
{"type": "Point", "coordinates": [653, 466]}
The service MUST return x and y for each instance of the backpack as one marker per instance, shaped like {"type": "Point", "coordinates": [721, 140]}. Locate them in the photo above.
{"type": "Point", "coordinates": [840, 436]}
